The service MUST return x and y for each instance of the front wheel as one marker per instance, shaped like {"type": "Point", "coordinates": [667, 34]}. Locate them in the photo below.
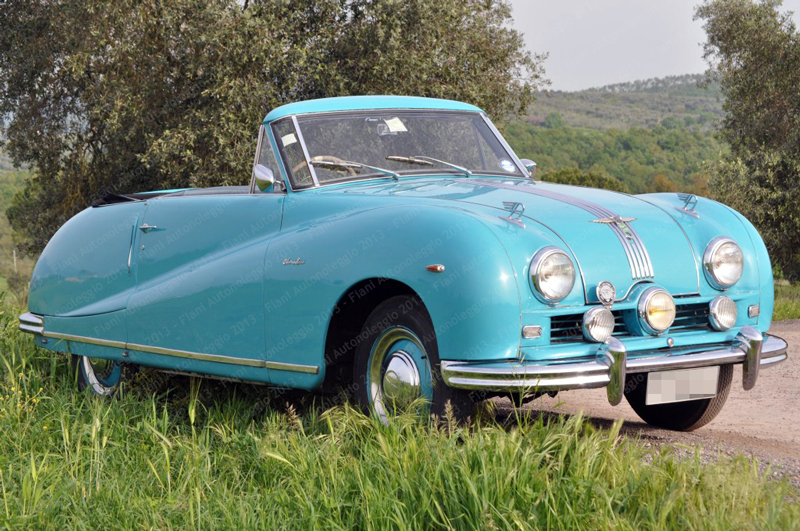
{"type": "Point", "coordinates": [102, 377]}
{"type": "Point", "coordinates": [680, 416]}
{"type": "Point", "coordinates": [397, 364]}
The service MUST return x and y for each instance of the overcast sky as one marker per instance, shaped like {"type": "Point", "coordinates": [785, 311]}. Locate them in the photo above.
{"type": "Point", "coordinates": [594, 43]}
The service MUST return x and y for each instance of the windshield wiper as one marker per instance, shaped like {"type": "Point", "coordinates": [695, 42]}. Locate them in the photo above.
{"type": "Point", "coordinates": [346, 164]}
{"type": "Point", "coordinates": [428, 161]}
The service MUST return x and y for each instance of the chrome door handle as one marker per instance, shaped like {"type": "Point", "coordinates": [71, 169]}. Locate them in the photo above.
{"type": "Point", "coordinates": [147, 228]}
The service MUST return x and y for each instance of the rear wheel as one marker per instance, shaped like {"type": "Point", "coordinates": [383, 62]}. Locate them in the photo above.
{"type": "Point", "coordinates": [680, 416]}
{"type": "Point", "coordinates": [102, 377]}
{"type": "Point", "coordinates": [397, 364]}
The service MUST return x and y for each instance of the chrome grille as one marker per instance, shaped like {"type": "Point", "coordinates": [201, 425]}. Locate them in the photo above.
{"type": "Point", "coordinates": [691, 317]}
{"type": "Point", "coordinates": [688, 317]}
{"type": "Point", "coordinates": [566, 328]}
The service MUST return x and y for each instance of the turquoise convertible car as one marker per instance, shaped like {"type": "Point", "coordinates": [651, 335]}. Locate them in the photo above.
{"type": "Point", "coordinates": [396, 247]}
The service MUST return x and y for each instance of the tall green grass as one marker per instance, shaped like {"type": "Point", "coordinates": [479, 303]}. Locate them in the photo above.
{"type": "Point", "coordinates": [203, 455]}
{"type": "Point", "coordinates": [787, 301]}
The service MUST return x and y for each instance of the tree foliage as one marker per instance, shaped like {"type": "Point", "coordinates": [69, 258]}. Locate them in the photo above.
{"type": "Point", "coordinates": [754, 52]}
{"type": "Point", "coordinates": [635, 157]}
{"type": "Point", "coordinates": [137, 95]}
{"type": "Point", "coordinates": [591, 179]}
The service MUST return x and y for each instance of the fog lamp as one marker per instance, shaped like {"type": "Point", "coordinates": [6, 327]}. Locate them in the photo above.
{"type": "Point", "coordinates": [656, 310]}
{"type": "Point", "coordinates": [598, 324]}
{"type": "Point", "coordinates": [722, 313]}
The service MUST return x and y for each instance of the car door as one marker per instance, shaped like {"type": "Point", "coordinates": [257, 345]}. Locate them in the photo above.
{"type": "Point", "coordinates": [198, 303]}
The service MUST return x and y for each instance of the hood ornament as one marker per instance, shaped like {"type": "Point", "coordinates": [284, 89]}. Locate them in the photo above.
{"type": "Point", "coordinates": [514, 209]}
{"type": "Point", "coordinates": [620, 222]}
{"type": "Point", "coordinates": [689, 205]}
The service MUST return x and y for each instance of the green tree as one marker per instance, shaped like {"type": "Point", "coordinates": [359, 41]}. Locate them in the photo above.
{"type": "Point", "coordinates": [139, 95]}
{"type": "Point", "coordinates": [753, 50]}
{"type": "Point", "coordinates": [553, 121]}
{"type": "Point", "coordinates": [591, 179]}
{"type": "Point", "coordinates": [662, 183]}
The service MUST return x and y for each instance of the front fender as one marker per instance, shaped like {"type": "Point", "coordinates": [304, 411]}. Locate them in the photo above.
{"type": "Point", "coordinates": [716, 219]}
{"type": "Point", "coordinates": [474, 304]}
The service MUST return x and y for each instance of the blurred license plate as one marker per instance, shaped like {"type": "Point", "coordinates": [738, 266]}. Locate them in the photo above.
{"type": "Point", "coordinates": [680, 386]}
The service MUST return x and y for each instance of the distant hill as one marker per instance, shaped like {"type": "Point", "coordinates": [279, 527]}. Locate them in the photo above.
{"type": "Point", "coordinates": [653, 135]}
{"type": "Point", "coordinates": [674, 101]}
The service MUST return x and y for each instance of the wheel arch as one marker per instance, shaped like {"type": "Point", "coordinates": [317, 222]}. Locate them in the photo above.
{"type": "Point", "coordinates": [347, 320]}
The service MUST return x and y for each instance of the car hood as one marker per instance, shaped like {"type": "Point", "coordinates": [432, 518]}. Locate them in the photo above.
{"type": "Point", "coordinates": [613, 236]}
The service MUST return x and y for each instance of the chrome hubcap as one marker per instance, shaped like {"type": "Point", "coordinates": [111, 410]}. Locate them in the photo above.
{"type": "Point", "coordinates": [401, 382]}
{"type": "Point", "coordinates": [399, 372]}
{"type": "Point", "coordinates": [102, 375]}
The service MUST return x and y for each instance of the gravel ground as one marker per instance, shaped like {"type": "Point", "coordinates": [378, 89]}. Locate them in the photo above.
{"type": "Point", "coordinates": [763, 423]}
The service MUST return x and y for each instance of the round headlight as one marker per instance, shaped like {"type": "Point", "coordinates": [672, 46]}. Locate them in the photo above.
{"type": "Point", "coordinates": [552, 274]}
{"type": "Point", "coordinates": [723, 262]}
{"type": "Point", "coordinates": [722, 313]}
{"type": "Point", "coordinates": [598, 324]}
{"type": "Point", "coordinates": [656, 310]}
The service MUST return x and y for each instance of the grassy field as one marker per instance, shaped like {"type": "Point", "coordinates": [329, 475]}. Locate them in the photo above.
{"type": "Point", "coordinates": [787, 301]}
{"type": "Point", "coordinates": [178, 453]}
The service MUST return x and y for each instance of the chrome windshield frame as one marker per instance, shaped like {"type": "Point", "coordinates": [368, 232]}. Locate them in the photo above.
{"type": "Point", "coordinates": [523, 172]}
{"type": "Point", "coordinates": [520, 166]}
{"type": "Point", "coordinates": [281, 179]}
{"type": "Point", "coordinates": [305, 151]}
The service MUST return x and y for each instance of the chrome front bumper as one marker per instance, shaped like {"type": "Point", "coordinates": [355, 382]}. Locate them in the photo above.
{"type": "Point", "coordinates": [611, 365]}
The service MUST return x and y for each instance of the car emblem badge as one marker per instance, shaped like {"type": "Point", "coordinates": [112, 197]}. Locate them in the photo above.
{"type": "Point", "coordinates": [606, 293]}
{"type": "Point", "coordinates": [620, 222]}
{"type": "Point", "coordinates": [298, 261]}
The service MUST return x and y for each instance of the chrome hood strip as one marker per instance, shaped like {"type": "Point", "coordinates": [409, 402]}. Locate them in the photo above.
{"type": "Point", "coordinates": [635, 250]}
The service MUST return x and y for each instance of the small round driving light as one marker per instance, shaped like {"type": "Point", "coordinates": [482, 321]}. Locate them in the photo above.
{"type": "Point", "coordinates": [722, 313]}
{"type": "Point", "coordinates": [723, 263]}
{"type": "Point", "coordinates": [552, 274]}
{"type": "Point", "coordinates": [598, 324]}
{"type": "Point", "coordinates": [656, 310]}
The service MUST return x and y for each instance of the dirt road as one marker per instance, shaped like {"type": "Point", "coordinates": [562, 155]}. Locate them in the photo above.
{"type": "Point", "coordinates": [764, 422]}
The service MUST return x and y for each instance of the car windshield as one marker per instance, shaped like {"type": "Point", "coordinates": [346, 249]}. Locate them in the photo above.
{"type": "Point", "coordinates": [389, 144]}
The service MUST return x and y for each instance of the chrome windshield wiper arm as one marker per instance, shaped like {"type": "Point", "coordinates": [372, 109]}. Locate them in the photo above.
{"type": "Point", "coordinates": [346, 164]}
{"type": "Point", "coordinates": [409, 160]}
{"type": "Point", "coordinates": [428, 161]}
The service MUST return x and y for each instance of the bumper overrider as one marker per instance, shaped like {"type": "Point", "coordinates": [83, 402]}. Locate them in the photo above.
{"type": "Point", "coordinates": [611, 365]}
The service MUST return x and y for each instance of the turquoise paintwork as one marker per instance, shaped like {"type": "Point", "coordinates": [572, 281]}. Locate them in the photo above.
{"type": "Point", "coordinates": [361, 103]}
{"type": "Point", "coordinates": [257, 277]}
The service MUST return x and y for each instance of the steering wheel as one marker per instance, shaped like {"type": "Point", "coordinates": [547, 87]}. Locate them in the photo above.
{"type": "Point", "coordinates": [323, 158]}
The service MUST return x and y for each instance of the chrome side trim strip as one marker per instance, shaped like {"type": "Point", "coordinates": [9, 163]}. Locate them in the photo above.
{"type": "Point", "coordinates": [293, 367]}
{"type": "Point", "coordinates": [87, 340]}
{"type": "Point", "coordinates": [34, 324]}
{"type": "Point", "coordinates": [196, 355]}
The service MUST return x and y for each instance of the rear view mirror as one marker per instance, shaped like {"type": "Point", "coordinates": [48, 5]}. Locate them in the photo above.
{"type": "Point", "coordinates": [265, 179]}
{"type": "Point", "coordinates": [530, 166]}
